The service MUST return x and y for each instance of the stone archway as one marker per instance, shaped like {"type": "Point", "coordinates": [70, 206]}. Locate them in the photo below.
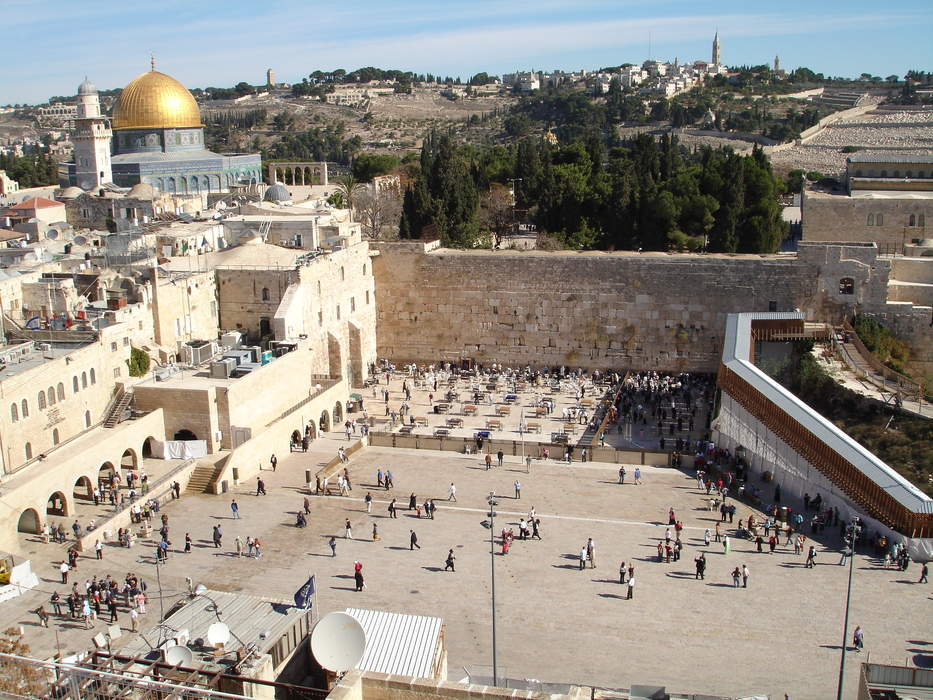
{"type": "Point", "coordinates": [338, 414]}
{"type": "Point", "coordinates": [129, 459]}
{"type": "Point", "coordinates": [29, 522]}
{"type": "Point", "coordinates": [324, 422]}
{"type": "Point", "coordinates": [296, 437]}
{"type": "Point", "coordinates": [104, 473]}
{"type": "Point", "coordinates": [184, 434]}
{"type": "Point", "coordinates": [148, 444]}
{"type": "Point", "coordinates": [311, 430]}
{"type": "Point", "coordinates": [57, 505]}
{"type": "Point", "coordinates": [83, 489]}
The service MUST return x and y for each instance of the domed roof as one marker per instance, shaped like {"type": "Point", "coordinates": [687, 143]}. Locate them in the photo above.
{"type": "Point", "coordinates": [277, 193]}
{"type": "Point", "coordinates": [70, 193]}
{"type": "Point", "coordinates": [154, 100]}
{"type": "Point", "coordinates": [142, 191]}
{"type": "Point", "coordinates": [87, 88]}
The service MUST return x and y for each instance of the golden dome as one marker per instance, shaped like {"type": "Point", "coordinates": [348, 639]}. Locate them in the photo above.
{"type": "Point", "coordinates": [154, 100]}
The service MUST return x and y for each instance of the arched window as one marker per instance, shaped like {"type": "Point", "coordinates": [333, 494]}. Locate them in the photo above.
{"type": "Point", "coordinates": [41, 400]}
{"type": "Point", "coordinates": [912, 220]}
{"type": "Point", "coordinates": [55, 436]}
{"type": "Point", "coordinates": [14, 412]}
{"type": "Point", "coordinates": [265, 294]}
{"type": "Point", "coordinates": [74, 384]}
{"type": "Point", "coordinates": [871, 219]}
{"type": "Point", "coordinates": [879, 220]}
{"type": "Point", "coordinates": [93, 376]}
{"type": "Point", "coordinates": [24, 409]}
{"type": "Point", "coordinates": [50, 394]}
{"type": "Point", "coordinates": [87, 419]}
{"type": "Point", "coordinates": [28, 450]}
{"type": "Point", "coordinates": [921, 220]}
{"type": "Point", "coordinates": [847, 285]}
{"type": "Point", "coordinates": [61, 391]}
{"type": "Point", "coordinates": [84, 380]}
{"type": "Point", "coordinates": [897, 173]}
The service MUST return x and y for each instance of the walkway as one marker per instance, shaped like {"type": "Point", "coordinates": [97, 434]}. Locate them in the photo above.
{"type": "Point", "coordinates": [874, 385]}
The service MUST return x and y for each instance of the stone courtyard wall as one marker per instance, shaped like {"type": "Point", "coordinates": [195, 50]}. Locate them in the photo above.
{"type": "Point", "coordinates": [626, 310]}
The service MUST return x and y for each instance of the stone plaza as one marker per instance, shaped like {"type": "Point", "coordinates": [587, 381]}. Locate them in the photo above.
{"type": "Point", "coordinates": [554, 622]}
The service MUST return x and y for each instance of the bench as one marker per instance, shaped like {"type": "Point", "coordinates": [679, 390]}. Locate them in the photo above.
{"type": "Point", "coordinates": [469, 410]}
{"type": "Point", "coordinates": [533, 427]}
{"type": "Point", "coordinates": [570, 428]}
{"type": "Point", "coordinates": [406, 429]}
{"type": "Point", "coordinates": [510, 398]}
{"type": "Point", "coordinates": [454, 422]}
{"type": "Point", "coordinates": [503, 410]}
{"type": "Point", "coordinates": [441, 408]}
{"type": "Point", "coordinates": [494, 424]}
{"type": "Point", "coordinates": [441, 432]}
{"type": "Point", "coordinates": [541, 411]}
{"type": "Point", "coordinates": [421, 420]}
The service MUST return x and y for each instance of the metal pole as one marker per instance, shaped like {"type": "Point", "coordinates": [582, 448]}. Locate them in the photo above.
{"type": "Point", "coordinates": [845, 624]}
{"type": "Point", "coordinates": [492, 569]}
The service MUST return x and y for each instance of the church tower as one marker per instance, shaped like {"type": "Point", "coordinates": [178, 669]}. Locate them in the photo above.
{"type": "Point", "coordinates": [91, 138]}
{"type": "Point", "coordinates": [716, 49]}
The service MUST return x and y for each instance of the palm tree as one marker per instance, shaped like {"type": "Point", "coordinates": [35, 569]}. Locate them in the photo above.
{"type": "Point", "coordinates": [349, 187]}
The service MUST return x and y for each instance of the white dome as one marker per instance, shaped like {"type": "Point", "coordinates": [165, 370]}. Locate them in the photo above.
{"type": "Point", "coordinates": [87, 88]}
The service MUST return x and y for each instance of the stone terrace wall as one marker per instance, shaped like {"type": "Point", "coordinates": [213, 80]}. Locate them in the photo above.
{"type": "Point", "coordinates": [648, 311]}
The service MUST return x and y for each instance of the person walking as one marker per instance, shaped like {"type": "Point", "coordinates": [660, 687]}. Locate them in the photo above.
{"type": "Point", "coordinates": [332, 542]}
{"type": "Point", "coordinates": [273, 461]}
{"type": "Point", "coordinates": [622, 473]}
{"type": "Point", "coordinates": [218, 535]}
{"type": "Point", "coordinates": [56, 601]}
{"type": "Point", "coordinates": [488, 461]}
{"type": "Point", "coordinates": [811, 557]}
{"type": "Point", "coordinates": [591, 552]}
{"type": "Point", "coordinates": [637, 476]}
{"type": "Point", "coordinates": [43, 616]}
{"type": "Point", "coordinates": [134, 620]}
{"type": "Point", "coordinates": [706, 537]}
{"type": "Point", "coordinates": [449, 563]}
{"type": "Point", "coordinates": [500, 456]}
{"type": "Point", "coordinates": [187, 543]}
{"type": "Point", "coordinates": [535, 532]}
{"type": "Point", "coordinates": [582, 557]}
{"type": "Point", "coordinates": [369, 502]}
{"type": "Point", "coordinates": [412, 501]}
{"type": "Point", "coordinates": [622, 570]}
{"type": "Point", "coordinates": [631, 586]}
{"type": "Point", "coordinates": [64, 568]}
{"type": "Point", "coordinates": [358, 576]}
{"type": "Point", "coordinates": [858, 639]}
{"type": "Point", "coordinates": [701, 566]}
{"type": "Point", "coordinates": [923, 573]}
{"type": "Point", "coordinates": [260, 486]}
{"type": "Point", "coordinates": [348, 532]}
{"type": "Point", "coordinates": [452, 493]}
{"type": "Point", "coordinates": [112, 607]}
{"type": "Point", "coordinates": [235, 509]}
{"type": "Point", "coordinates": [413, 541]}
{"type": "Point", "coordinates": [744, 576]}
{"type": "Point", "coordinates": [307, 506]}
{"type": "Point", "coordinates": [99, 550]}
{"type": "Point", "coordinates": [518, 489]}
{"type": "Point", "coordinates": [375, 532]}
{"type": "Point", "coordinates": [393, 509]}
{"type": "Point", "coordinates": [736, 575]}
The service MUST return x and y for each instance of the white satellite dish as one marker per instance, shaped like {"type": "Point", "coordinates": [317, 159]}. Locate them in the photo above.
{"type": "Point", "coordinates": [218, 634]}
{"type": "Point", "coordinates": [338, 642]}
{"type": "Point", "coordinates": [51, 234]}
{"type": "Point", "coordinates": [80, 240]}
{"type": "Point", "coordinates": [178, 655]}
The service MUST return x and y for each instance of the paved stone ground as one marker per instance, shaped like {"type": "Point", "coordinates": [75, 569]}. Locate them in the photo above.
{"type": "Point", "coordinates": [555, 622]}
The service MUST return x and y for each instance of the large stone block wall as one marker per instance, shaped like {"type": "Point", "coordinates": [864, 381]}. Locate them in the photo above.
{"type": "Point", "coordinates": [623, 310]}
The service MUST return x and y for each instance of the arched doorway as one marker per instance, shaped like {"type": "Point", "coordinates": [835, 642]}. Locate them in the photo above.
{"type": "Point", "coordinates": [185, 434]}
{"type": "Point", "coordinates": [83, 490]}
{"type": "Point", "coordinates": [147, 447]}
{"type": "Point", "coordinates": [324, 423]}
{"type": "Point", "coordinates": [128, 460]}
{"type": "Point", "coordinates": [29, 522]}
{"type": "Point", "coordinates": [338, 414]}
{"type": "Point", "coordinates": [104, 473]}
{"type": "Point", "coordinates": [296, 437]}
{"type": "Point", "coordinates": [57, 505]}
{"type": "Point", "coordinates": [312, 430]}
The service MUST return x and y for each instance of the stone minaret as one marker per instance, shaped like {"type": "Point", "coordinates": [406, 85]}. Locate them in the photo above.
{"type": "Point", "coordinates": [270, 78]}
{"type": "Point", "coordinates": [777, 64]}
{"type": "Point", "coordinates": [92, 138]}
{"type": "Point", "coordinates": [716, 48]}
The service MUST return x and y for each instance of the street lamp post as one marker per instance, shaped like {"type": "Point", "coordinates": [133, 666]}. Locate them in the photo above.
{"type": "Point", "coordinates": [851, 535]}
{"type": "Point", "coordinates": [491, 524]}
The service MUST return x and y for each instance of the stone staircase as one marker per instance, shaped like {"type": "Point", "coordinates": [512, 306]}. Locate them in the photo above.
{"type": "Point", "coordinates": [115, 414]}
{"type": "Point", "coordinates": [203, 477]}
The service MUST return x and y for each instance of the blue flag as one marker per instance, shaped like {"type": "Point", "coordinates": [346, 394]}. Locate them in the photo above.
{"type": "Point", "coordinates": [304, 594]}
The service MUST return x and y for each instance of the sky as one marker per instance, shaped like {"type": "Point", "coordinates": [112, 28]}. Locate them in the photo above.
{"type": "Point", "coordinates": [52, 44]}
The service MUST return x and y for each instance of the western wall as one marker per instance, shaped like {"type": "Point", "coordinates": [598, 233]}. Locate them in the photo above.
{"type": "Point", "coordinates": [597, 309]}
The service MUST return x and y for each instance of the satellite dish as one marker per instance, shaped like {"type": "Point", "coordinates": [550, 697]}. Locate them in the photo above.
{"type": "Point", "coordinates": [80, 240]}
{"type": "Point", "coordinates": [51, 234]}
{"type": "Point", "coordinates": [178, 655]}
{"type": "Point", "coordinates": [218, 634]}
{"type": "Point", "coordinates": [338, 642]}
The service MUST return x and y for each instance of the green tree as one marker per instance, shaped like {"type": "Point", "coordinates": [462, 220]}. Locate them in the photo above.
{"type": "Point", "coordinates": [138, 362]}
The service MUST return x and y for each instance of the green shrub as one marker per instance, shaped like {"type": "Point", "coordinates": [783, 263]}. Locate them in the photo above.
{"type": "Point", "coordinates": [138, 362]}
{"type": "Point", "coordinates": [882, 343]}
